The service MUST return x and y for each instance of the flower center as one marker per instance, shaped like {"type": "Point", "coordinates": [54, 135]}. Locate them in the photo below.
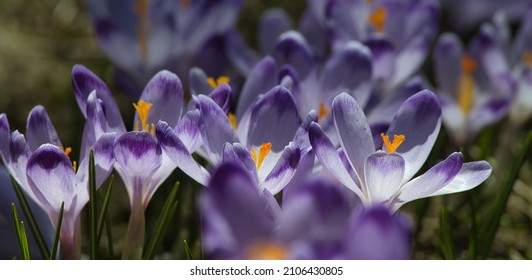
{"type": "Point", "coordinates": [263, 152]}
{"type": "Point", "coordinates": [265, 251]}
{"type": "Point", "coordinates": [378, 19]}
{"type": "Point", "coordinates": [391, 147]}
{"type": "Point", "coordinates": [67, 152]}
{"type": "Point", "coordinates": [141, 9]}
{"type": "Point", "coordinates": [219, 81]}
{"type": "Point", "coordinates": [466, 84]}
{"type": "Point", "coordinates": [232, 120]}
{"type": "Point", "coordinates": [143, 109]}
{"type": "Point", "coordinates": [323, 111]}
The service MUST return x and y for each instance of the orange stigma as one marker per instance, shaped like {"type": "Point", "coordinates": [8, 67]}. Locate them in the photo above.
{"type": "Point", "coordinates": [67, 152]}
{"type": "Point", "coordinates": [263, 152]}
{"type": "Point", "coordinates": [466, 84]}
{"type": "Point", "coordinates": [221, 80]}
{"type": "Point", "coordinates": [323, 111]}
{"type": "Point", "coordinates": [378, 19]}
{"type": "Point", "coordinates": [232, 120]}
{"type": "Point", "coordinates": [265, 251]}
{"type": "Point", "coordinates": [143, 109]}
{"type": "Point", "coordinates": [398, 139]}
{"type": "Point", "coordinates": [526, 58]}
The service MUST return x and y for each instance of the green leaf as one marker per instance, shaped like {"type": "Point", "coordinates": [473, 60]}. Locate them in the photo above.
{"type": "Point", "coordinates": [39, 239]}
{"type": "Point", "coordinates": [492, 223]}
{"type": "Point", "coordinates": [22, 237]}
{"type": "Point", "coordinates": [105, 206]}
{"type": "Point", "coordinates": [92, 208]}
{"type": "Point", "coordinates": [188, 252]}
{"type": "Point", "coordinates": [446, 235]}
{"type": "Point", "coordinates": [57, 231]}
{"type": "Point", "coordinates": [167, 213]}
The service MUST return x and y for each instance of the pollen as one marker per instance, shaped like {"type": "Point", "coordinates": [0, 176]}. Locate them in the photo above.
{"type": "Point", "coordinates": [141, 9]}
{"type": "Point", "coordinates": [398, 139]}
{"type": "Point", "coordinates": [378, 19]}
{"type": "Point", "coordinates": [232, 120]}
{"type": "Point", "coordinates": [266, 251]}
{"type": "Point", "coordinates": [264, 150]}
{"type": "Point", "coordinates": [323, 111]}
{"type": "Point", "coordinates": [67, 152]}
{"type": "Point", "coordinates": [221, 80]}
{"type": "Point", "coordinates": [466, 84]}
{"type": "Point", "coordinates": [143, 109]}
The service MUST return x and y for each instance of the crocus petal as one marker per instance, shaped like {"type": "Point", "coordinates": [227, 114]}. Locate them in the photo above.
{"type": "Point", "coordinates": [179, 154]}
{"type": "Point", "coordinates": [222, 96]}
{"type": "Point", "coordinates": [470, 175]}
{"type": "Point", "coordinates": [293, 49]}
{"type": "Point", "coordinates": [432, 180]}
{"type": "Point", "coordinates": [384, 173]}
{"type": "Point", "coordinates": [84, 82]}
{"type": "Point", "coordinates": [165, 92]}
{"type": "Point", "coordinates": [240, 54]}
{"type": "Point", "coordinates": [261, 79]}
{"type": "Point", "coordinates": [353, 130]}
{"type": "Point", "coordinates": [5, 135]}
{"type": "Point", "coordinates": [238, 154]}
{"type": "Point", "coordinates": [19, 152]}
{"type": "Point", "coordinates": [138, 156]}
{"type": "Point", "coordinates": [301, 137]}
{"type": "Point", "coordinates": [282, 172]}
{"type": "Point", "coordinates": [522, 40]}
{"type": "Point", "coordinates": [198, 81]}
{"type": "Point", "coordinates": [488, 113]}
{"type": "Point", "coordinates": [419, 120]}
{"type": "Point", "coordinates": [447, 57]}
{"type": "Point", "coordinates": [383, 55]}
{"type": "Point", "coordinates": [329, 158]}
{"type": "Point", "coordinates": [51, 178]}
{"type": "Point", "coordinates": [215, 127]}
{"type": "Point", "coordinates": [411, 58]}
{"type": "Point", "coordinates": [486, 46]}
{"type": "Point", "coordinates": [274, 118]}
{"type": "Point", "coordinates": [188, 130]}
{"type": "Point", "coordinates": [273, 23]}
{"type": "Point", "coordinates": [40, 130]}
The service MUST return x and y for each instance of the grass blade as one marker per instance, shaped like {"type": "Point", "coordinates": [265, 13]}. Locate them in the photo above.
{"type": "Point", "coordinates": [446, 235]}
{"type": "Point", "coordinates": [188, 252]}
{"type": "Point", "coordinates": [492, 223]}
{"type": "Point", "coordinates": [57, 232]}
{"type": "Point", "coordinates": [92, 208]}
{"type": "Point", "coordinates": [37, 235]}
{"type": "Point", "coordinates": [167, 213]}
{"type": "Point", "coordinates": [105, 206]}
{"type": "Point", "coordinates": [22, 237]}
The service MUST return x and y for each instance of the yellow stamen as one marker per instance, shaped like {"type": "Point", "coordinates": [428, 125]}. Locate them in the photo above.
{"type": "Point", "coordinates": [378, 19]}
{"type": "Point", "coordinates": [143, 109]}
{"type": "Point", "coordinates": [221, 80]}
{"type": "Point", "coordinates": [466, 84]}
{"type": "Point", "coordinates": [526, 58]}
{"type": "Point", "coordinates": [141, 9]}
{"type": "Point", "coordinates": [263, 152]}
{"type": "Point", "coordinates": [398, 139]}
{"type": "Point", "coordinates": [266, 251]}
{"type": "Point", "coordinates": [74, 165]}
{"type": "Point", "coordinates": [323, 111]}
{"type": "Point", "coordinates": [67, 152]}
{"type": "Point", "coordinates": [232, 120]}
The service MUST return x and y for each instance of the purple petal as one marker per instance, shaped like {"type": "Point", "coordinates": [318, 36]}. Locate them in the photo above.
{"type": "Point", "coordinates": [40, 130]}
{"type": "Point", "coordinates": [284, 169]}
{"type": "Point", "coordinates": [432, 180]}
{"type": "Point", "coordinates": [419, 120]}
{"type": "Point", "coordinates": [165, 92]}
{"type": "Point", "coordinates": [240, 54]}
{"type": "Point", "coordinates": [411, 57]}
{"type": "Point", "coordinates": [84, 82]}
{"type": "Point", "coordinates": [522, 41]}
{"type": "Point", "coordinates": [222, 96]}
{"type": "Point", "coordinates": [198, 82]}
{"type": "Point", "coordinates": [488, 113]}
{"type": "Point", "coordinates": [329, 158]}
{"type": "Point", "coordinates": [274, 118]}
{"type": "Point", "coordinates": [179, 154]}
{"type": "Point", "coordinates": [238, 154]}
{"type": "Point", "coordinates": [19, 152]}
{"type": "Point", "coordinates": [273, 23]}
{"type": "Point", "coordinates": [470, 175]}
{"type": "Point", "coordinates": [447, 57]}
{"type": "Point", "coordinates": [383, 55]}
{"type": "Point", "coordinates": [486, 46]}
{"type": "Point", "coordinates": [353, 130]}
{"type": "Point", "coordinates": [384, 174]}
{"type": "Point", "coordinates": [292, 49]}
{"type": "Point", "coordinates": [5, 135]}
{"type": "Point", "coordinates": [301, 137]}
{"type": "Point", "coordinates": [188, 130]}
{"type": "Point", "coordinates": [95, 126]}
{"type": "Point", "coordinates": [261, 79]}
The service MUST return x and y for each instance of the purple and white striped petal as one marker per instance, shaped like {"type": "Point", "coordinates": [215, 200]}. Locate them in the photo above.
{"type": "Point", "coordinates": [384, 173]}
{"type": "Point", "coordinates": [40, 130]}
{"type": "Point", "coordinates": [222, 96]}
{"type": "Point", "coordinates": [238, 154]}
{"type": "Point", "coordinates": [383, 56]}
{"type": "Point", "coordinates": [138, 156]}
{"type": "Point", "coordinates": [470, 175]}
{"type": "Point", "coordinates": [95, 126]}
{"type": "Point", "coordinates": [165, 92]}
{"type": "Point", "coordinates": [431, 181]}
{"type": "Point", "coordinates": [5, 136]}
{"type": "Point", "coordinates": [419, 120]}
{"type": "Point", "coordinates": [284, 169]}
{"type": "Point", "coordinates": [447, 56]}
{"type": "Point", "coordinates": [274, 118]}
{"type": "Point", "coordinates": [179, 154]}
{"type": "Point", "coordinates": [188, 130]}
{"type": "Point", "coordinates": [293, 49]}
{"type": "Point", "coordinates": [487, 50]}
{"type": "Point", "coordinates": [19, 153]}
{"type": "Point", "coordinates": [329, 158]}
{"type": "Point", "coordinates": [353, 130]}
{"type": "Point", "coordinates": [261, 79]}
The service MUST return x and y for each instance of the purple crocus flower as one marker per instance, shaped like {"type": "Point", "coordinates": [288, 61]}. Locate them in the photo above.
{"type": "Point", "coordinates": [385, 175]}
{"type": "Point", "coordinates": [241, 221]}
{"type": "Point", "coordinates": [142, 37]}
{"type": "Point", "coordinates": [41, 166]}
{"type": "Point", "coordinates": [475, 89]}
{"type": "Point", "coordinates": [261, 141]}
{"type": "Point", "coordinates": [397, 32]}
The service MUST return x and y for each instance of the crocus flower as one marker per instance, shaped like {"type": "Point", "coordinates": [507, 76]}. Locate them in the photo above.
{"type": "Point", "coordinates": [241, 221]}
{"type": "Point", "coordinates": [475, 89]}
{"type": "Point", "coordinates": [397, 32]}
{"type": "Point", "coordinates": [41, 166]}
{"type": "Point", "coordinates": [385, 175]}
{"type": "Point", "coordinates": [261, 140]}
{"type": "Point", "coordinates": [142, 37]}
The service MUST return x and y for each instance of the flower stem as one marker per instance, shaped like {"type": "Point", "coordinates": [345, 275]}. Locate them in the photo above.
{"type": "Point", "coordinates": [134, 240]}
